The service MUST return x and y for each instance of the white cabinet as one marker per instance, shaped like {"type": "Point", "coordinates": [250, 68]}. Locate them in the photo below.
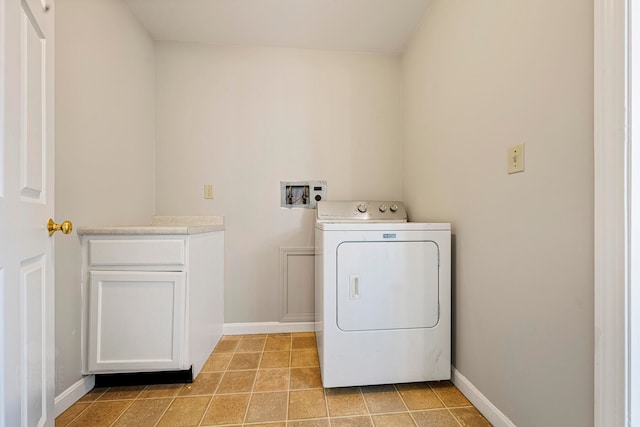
{"type": "Point", "coordinates": [136, 320]}
{"type": "Point", "coordinates": [151, 302]}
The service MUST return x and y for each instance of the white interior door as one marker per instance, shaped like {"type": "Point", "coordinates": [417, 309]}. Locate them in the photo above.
{"type": "Point", "coordinates": [633, 319]}
{"type": "Point", "coordinates": [26, 203]}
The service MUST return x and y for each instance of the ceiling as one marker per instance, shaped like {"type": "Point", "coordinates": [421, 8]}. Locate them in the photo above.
{"type": "Point", "coordinates": [382, 26]}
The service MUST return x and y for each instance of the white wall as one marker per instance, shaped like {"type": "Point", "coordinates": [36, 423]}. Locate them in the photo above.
{"type": "Point", "coordinates": [104, 144]}
{"type": "Point", "coordinates": [479, 77]}
{"type": "Point", "coordinates": [244, 119]}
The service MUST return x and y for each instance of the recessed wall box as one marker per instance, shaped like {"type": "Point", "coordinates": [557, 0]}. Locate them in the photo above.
{"type": "Point", "coordinates": [302, 194]}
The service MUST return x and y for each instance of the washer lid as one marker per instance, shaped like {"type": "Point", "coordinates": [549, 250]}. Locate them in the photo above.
{"type": "Point", "coordinates": [361, 211]}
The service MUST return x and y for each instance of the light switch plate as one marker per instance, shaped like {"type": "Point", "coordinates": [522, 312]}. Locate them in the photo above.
{"type": "Point", "coordinates": [208, 191]}
{"type": "Point", "coordinates": [515, 159]}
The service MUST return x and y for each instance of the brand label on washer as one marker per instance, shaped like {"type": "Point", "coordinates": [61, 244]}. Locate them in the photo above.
{"type": "Point", "coordinates": [389, 236]}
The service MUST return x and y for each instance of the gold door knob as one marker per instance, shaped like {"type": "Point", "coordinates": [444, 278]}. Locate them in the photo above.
{"type": "Point", "coordinates": [65, 227]}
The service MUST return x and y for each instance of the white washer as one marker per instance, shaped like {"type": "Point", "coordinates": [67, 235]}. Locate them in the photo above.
{"type": "Point", "coordinates": [383, 295]}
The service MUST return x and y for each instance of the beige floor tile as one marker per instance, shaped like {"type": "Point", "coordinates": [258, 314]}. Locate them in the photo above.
{"type": "Point", "coordinates": [278, 343]}
{"type": "Point", "coordinates": [217, 362]}
{"type": "Point", "coordinates": [362, 421]}
{"type": "Point", "coordinates": [470, 417]}
{"type": "Point", "coordinates": [122, 393]}
{"type": "Point", "coordinates": [93, 394]}
{"type": "Point", "coordinates": [303, 342]}
{"type": "Point", "coordinates": [303, 334]}
{"type": "Point", "coordinates": [450, 395]}
{"type": "Point", "coordinates": [419, 396]}
{"type": "Point", "coordinates": [345, 401]}
{"type": "Point", "coordinates": [227, 409]}
{"type": "Point", "coordinates": [237, 382]}
{"type": "Point", "coordinates": [267, 407]}
{"type": "Point", "coordinates": [393, 420]}
{"type": "Point", "coordinates": [435, 418]}
{"type": "Point", "coordinates": [143, 413]}
{"type": "Point", "coordinates": [324, 422]}
{"type": "Point", "coordinates": [67, 416]}
{"type": "Point", "coordinates": [275, 359]}
{"type": "Point", "coordinates": [226, 346]}
{"type": "Point", "coordinates": [242, 361]}
{"type": "Point", "coordinates": [101, 413]}
{"type": "Point", "coordinates": [280, 424]}
{"type": "Point", "coordinates": [272, 380]}
{"type": "Point", "coordinates": [383, 398]}
{"type": "Point", "coordinates": [185, 412]}
{"type": "Point", "coordinates": [307, 404]}
{"type": "Point", "coordinates": [250, 345]}
{"type": "Point", "coordinates": [231, 374]}
{"type": "Point", "coordinates": [302, 378]}
{"type": "Point", "coordinates": [160, 390]}
{"type": "Point", "coordinates": [205, 383]}
{"type": "Point", "coordinates": [303, 358]}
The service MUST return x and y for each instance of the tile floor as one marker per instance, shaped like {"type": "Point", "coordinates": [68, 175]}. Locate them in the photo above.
{"type": "Point", "coordinates": [274, 381]}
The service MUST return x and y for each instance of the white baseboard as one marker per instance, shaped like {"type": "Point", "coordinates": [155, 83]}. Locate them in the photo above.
{"type": "Point", "coordinates": [267, 328]}
{"type": "Point", "coordinates": [484, 405]}
{"type": "Point", "coordinates": [74, 393]}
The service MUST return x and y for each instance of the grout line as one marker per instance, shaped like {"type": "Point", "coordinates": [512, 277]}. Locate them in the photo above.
{"type": "Point", "coordinates": [122, 412]}
{"type": "Point", "coordinates": [455, 418]}
{"type": "Point", "coordinates": [255, 379]}
{"type": "Point", "coordinates": [205, 410]}
{"type": "Point", "coordinates": [366, 406]}
{"type": "Point", "coordinates": [81, 412]}
{"type": "Point", "coordinates": [111, 400]}
{"type": "Point", "coordinates": [445, 405]}
{"type": "Point", "coordinates": [286, 415]}
{"type": "Point", "coordinates": [326, 404]}
{"type": "Point", "coordinates": [204, 414]}
{"type": "Point", "coordinates": [173, 399]}
{"type": "Point", "coordinates": [395, 386]}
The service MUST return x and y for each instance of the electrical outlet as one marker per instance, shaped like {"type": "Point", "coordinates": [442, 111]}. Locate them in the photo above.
{"type": "Point", "coordinates": [515, 159]}
{"type": "Point", "coordinates": [208, 191]}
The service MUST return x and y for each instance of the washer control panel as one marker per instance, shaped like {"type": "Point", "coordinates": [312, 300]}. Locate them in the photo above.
{"type": "Point", "coordinates": [358, 211]}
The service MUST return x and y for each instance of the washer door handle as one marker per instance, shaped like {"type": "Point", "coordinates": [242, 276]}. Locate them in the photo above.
{"type": "Point", "coordinates": [354, 286]}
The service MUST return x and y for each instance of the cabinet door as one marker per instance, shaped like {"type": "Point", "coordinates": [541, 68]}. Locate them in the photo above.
{"type": "Point", "coordinates": [136, 321]}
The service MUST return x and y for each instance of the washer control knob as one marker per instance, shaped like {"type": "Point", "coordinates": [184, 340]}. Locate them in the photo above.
{"type": "Point", "coordinates": [382, 208]}
{"type": "Point", "coordinates": [393, 208]}
{"type": "Point", "coordinates": [362, 208]}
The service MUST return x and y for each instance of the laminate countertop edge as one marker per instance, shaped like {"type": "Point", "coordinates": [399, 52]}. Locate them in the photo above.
{"type": "Point", "coordinates": [160, 226]}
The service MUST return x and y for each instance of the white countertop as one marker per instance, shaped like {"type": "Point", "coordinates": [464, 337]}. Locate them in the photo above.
{"type": "Point", "coordinates": [160, 225]}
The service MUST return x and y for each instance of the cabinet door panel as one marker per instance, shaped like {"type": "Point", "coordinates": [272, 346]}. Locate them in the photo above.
{"type": "Point", "coordinates": [136, 321]}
